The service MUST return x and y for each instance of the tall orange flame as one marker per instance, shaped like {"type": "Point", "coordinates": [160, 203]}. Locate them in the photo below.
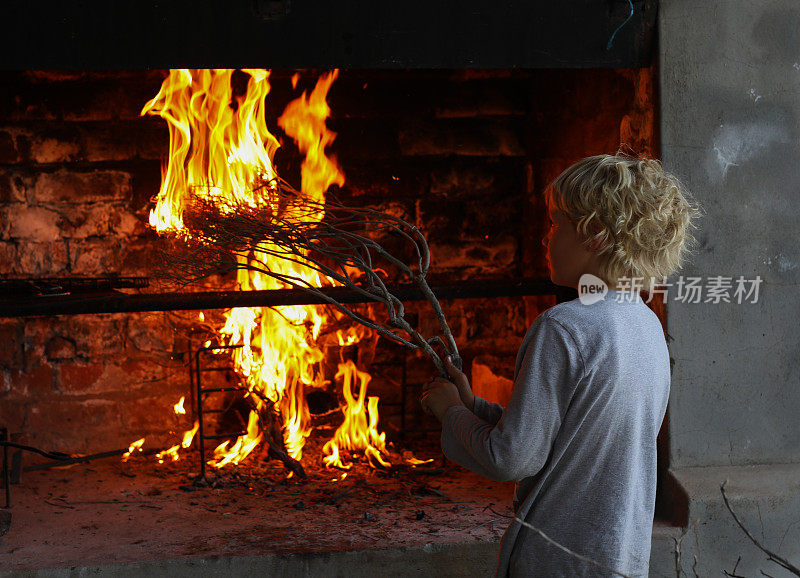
{"type": "Point", "coordinates": [220, 148]}
{"type": "Point", "coordinates": [359, 430]}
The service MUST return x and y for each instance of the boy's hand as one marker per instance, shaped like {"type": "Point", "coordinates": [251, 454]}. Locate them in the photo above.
{"type": "Point", "coordinates": [461, 382]}
{"type": "Point", "coordinates": [438, 396]}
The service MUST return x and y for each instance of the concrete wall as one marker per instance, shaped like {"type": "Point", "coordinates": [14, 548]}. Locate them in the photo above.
{"type": "Point", "coordinates": [730, 102]}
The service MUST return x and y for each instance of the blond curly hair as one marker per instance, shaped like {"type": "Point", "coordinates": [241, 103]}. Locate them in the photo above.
{"type": "Point", "coordinates": [636, 216]}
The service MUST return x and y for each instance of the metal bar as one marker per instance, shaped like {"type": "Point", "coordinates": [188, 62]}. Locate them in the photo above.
{"type": "Point", "coordinates": [123, 303]}
{"type": "Point", "coordinates": [200, 412]}
{"type": "Point", "coordinates": [70, 461]}
{"type": "Point", "coordinates": [6, 471]}
{"type": "Point", "coordinates": [16, 466]}
{"type": "Point", "coordinates": [201, 441]}
{"type": "Point", "coordinates": [403, 376]}
{"type": "Point", "coordinates": [218, 369]}
{"type": "Point", "coordinates": [225, 436]}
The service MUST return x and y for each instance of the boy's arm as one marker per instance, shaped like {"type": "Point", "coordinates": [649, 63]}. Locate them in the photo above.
{"type": "Point", "coordinates": [488, 411]}
{"type": "Point", "coordinates": [518, 445]}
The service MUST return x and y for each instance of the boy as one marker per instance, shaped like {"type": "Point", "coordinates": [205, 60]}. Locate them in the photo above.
{"type": "Point", "coordinates": [591, 383]}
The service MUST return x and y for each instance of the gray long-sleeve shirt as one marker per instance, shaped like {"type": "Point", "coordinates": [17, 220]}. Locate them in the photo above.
{"type": "Point", "coordinates": [578, 436]}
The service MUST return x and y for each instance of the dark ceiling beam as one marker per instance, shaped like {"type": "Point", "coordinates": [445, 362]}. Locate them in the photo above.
{"type": "Point", "coordinates": [89, 303]}
{"type": "Point", "coordinates": [94, 34]}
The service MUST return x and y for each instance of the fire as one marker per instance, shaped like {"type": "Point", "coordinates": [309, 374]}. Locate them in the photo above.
{"type": "Point", "coordinates": [188, 436]}
{"type": "Point", "coordinates": [221, 150]}
{"type": "Point", "coordinates": [178, 407]}
{"type": "Point", "coordinates": [359, 430]}
{"type": "Point", "coordinates": [134, 447]}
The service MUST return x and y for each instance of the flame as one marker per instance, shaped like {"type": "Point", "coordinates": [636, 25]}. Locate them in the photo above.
{"type": "Point", "coordinates": [221, 150]}
{"type": "Point", "coordinates": [416, 462]}
{"type": "Point", "coordinates": [241, 447]}
{"type": "Point", "coordinates": [304, 121]}
{"type": "Point", "coordinates": [169, 453]}
{"type": "Point", "coordinates": [359, 430]}
{"type": "Point", "coordinates": [135, 446]}
{"type": "Point", "coordinates": [178, 407]}
{"type": "Point", "coordinates": [188, 436]}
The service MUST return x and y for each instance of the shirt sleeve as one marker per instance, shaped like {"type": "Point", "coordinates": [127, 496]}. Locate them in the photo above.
{"type": "Point", "coordinates": [488, 411]}
{"type": "Point", "coordinates": [518, 444]}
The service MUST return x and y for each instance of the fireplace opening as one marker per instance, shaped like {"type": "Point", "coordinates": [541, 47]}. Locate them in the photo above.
{"type": "Point", "coordinates": [463, 155]}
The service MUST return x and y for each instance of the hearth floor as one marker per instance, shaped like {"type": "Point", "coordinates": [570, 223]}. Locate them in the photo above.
{"type": "Point", "coordinates": [107, 512]}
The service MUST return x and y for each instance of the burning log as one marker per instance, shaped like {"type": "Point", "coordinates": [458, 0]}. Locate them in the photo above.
{"type": "Point", "coordinates": [342, 248]}
{"type": "Point", "coordinates": [271, 428]}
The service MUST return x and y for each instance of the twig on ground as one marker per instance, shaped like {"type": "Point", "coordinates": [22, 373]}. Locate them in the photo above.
{"type": "Point", "coordinates": [492, 521]}
{"type": "Point", "coordinates": [678, 541]}
{"type": "Point", "coordinates": [733, 573]}
{"type": "Point", "coordinates": [343, 493]}
{"type": "Point", "coordinates": [772, 556]}
{"type": "Point", "coordinates": [552, 542]}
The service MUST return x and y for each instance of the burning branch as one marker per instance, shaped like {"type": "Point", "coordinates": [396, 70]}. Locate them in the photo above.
{"type": "Point", "coordinates": [343, 247]}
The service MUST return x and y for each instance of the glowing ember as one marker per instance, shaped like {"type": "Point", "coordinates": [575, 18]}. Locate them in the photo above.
{"type": "Point", "coordinates": [135, 446]}
{"type": "Point", "coordinates": [171, 453]}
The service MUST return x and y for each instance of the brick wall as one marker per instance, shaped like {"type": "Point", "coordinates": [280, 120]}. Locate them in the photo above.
{"type": "Point", "coordinates": [465, 155]}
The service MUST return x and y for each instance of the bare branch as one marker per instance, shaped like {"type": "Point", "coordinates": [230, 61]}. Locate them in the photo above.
{"type": "Point", "coordinates": [552, 542]}
{"type": "Point", "coordinates": [772, 556]}
{"type": "Point", "coordinates": [678, 541]}
{"type": "Point", "coordinates": [733, 573]}
{"type": "Point", "coordinates": [344, 247]}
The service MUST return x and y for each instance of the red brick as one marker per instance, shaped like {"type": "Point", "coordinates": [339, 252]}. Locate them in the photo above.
{"type": "Point", "coordinates": [61, 146]}
{"type": "Point", "coordinates": [8, 148]}
{"type": "Point", "coordinates": [95, 257]}
{"type": "Point", "coordinates": [59, 348]}
{"type": "Point", "coordinates": [8, 257]}
{"type": "Point", "coordinates": [12, 335]}
{"type": "Point", "coordinates": [140, 257]}
{"type": "Point", "coordinates": [476, 257]}
{"type": "Point", "coordinates": [66, 186]}
{"type": "Point", "coordinates": [98, 220]}
{"type": "Point", "coordinates": [13, 413]}
{"type": "Point", "coordinates": [42, 259]}
{"type": "Point", "coordinates": [13, 187]}
{"type": "Point", "coordinates": [364, 139]}
{"type": "Point", "coordinates": [80, 378]}
{"type": "Point", "coordinates": [97, 337]}
{"type": "Point", "coordinates": [34, 381]}
{"type": "Point", "coordinates": [469, 180]}
{"type": "Point", "coordinates": [107, 378]}
{"type": "Point", "coordinates": [140, 139]}
{"type": "Point", "coordinates": [482, 99]}
{"type": "Point", "coordinates": [77, 97]}
{"type": "Point", "coordinates": [467, 137]}
{"type": "Point", "coordinates": [33, 223]}
{"type": "Point", "coordinates": [86, 142]}
{"type": "Point", "coordinates": [155, 414]}
{"type": "Point", "coordinates": [444, 220]}
{"type": "Point", "coordinates": [151, 333]}
{"type": "Point", "coordinates": [74, 425]}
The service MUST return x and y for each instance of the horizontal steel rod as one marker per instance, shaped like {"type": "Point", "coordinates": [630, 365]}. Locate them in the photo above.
{"type": "Point", "coordinates": [135, 303]}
